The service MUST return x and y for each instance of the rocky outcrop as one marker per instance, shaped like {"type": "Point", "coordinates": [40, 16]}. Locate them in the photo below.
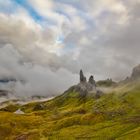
{"type": "Point", "coordinates": [82, 77]}
{"type": "Point", "coordinates": [38, 106]}
{"type": "Point", "coordinates": [84, 87]}
{"type": "Point", "coordinates": [135, 76]}
{"type": "Point", "coordinates": [136, 72]}
{"type": "Point", "coordinates": [91, 83]}
{"type": "Point", "coordinates": [91, 80]}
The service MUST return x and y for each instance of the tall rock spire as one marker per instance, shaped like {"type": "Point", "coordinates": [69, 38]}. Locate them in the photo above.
{"type": "Point", "coordinates": [82, 77]}
{"type": "Point", "coordinates": [91, 80]}
{"type": "Point", "coordinates": [91, 83]}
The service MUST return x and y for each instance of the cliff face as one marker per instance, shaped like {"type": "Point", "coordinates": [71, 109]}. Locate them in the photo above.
{"type": "Point", "coordinates": [135, 76]}
{"type": "Point", "coordinates": [136, 72]}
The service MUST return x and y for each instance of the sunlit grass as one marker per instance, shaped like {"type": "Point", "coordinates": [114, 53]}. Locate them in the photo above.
{"type": "Point", "coordinates": [114, 116]}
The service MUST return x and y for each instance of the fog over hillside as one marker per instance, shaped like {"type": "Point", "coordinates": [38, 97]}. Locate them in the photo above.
{"type": "Point", "coordinates": [44, 44]}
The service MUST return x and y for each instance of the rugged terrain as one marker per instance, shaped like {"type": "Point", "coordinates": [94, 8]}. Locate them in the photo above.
{"type": "Point", "coordinates": [83, 112]}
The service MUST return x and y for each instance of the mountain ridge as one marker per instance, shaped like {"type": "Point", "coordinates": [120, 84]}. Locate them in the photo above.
{"type": "Point", "coordinates": [113, 116]}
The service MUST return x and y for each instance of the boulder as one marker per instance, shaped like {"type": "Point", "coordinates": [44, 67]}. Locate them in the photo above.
{"type": "Point", "coordinates": [38, 106]}
{"type": "Point", "coordinates": [19, 112]}
{"type": "Point", "coordinates": [98, 94]}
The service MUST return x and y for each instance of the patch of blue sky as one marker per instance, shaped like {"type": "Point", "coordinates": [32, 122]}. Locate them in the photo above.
{"type": "Point", "coordinates": [69, 47]}
{"type": "Point", "coordinates": [7, 6]}
{"type": "Point", "coordinates": [104, 14]}
{"type": "Point", "coordinates": [34, 14]}
{"type": "Point", "coordinates": [90, 21]}
{"type": "Point", "coordinates": [31, 11]}
{"type": "Point", "coordinates": [60, 39]}
{"type": "Point", "coordinates": [74, 3]}
{"type": "Point", "coordinates": [62, 12]}
{"type": "Point", "coordinates": [81, 12]}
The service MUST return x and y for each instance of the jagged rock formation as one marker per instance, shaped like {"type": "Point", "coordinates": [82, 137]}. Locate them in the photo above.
{"type": "Point", "coordinates": [82, 77]}
{"type": "Point", "coordinates": [91, 83]}
{"type": "Point", "coordinates": [84, 87]}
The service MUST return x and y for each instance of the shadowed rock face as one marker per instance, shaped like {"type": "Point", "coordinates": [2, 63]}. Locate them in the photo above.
{"type": "Point", "coordinates": [82, 77]}
{"type": "Point", "coordinates": [136, 72]}
{"type": "Point", "coordinates": [135, 76]}
{"type": "Point", "coordinates": [91, 84]}
{"type": "Point", "coordinates": [91, 80]}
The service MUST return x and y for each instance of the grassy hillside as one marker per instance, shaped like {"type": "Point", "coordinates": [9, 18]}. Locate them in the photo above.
{"type": "Point", "coordinates": [114, 116]}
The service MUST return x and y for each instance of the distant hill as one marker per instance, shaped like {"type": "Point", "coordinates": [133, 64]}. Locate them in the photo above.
{"type": "Point", "coordinates": [6, 80]}
{"type": "Point", "coordinates": [71, 116]}
{"type": "Point", "coordinates": [106, 83]}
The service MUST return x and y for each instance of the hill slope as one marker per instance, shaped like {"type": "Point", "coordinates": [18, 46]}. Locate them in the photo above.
{"type": "Point", "coordinates": [79, 113]}
{"type": "Point", "coordinates": [113, 116]}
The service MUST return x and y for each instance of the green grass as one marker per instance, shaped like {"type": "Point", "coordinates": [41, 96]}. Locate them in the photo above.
{"type": "Point", "coordinates": [114, 116]}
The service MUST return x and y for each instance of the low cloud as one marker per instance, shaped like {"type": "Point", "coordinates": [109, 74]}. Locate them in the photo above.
{"type": "Point", "coordinates": [45, 55]}
{"type": "Point", "coordinates": [32, 79]}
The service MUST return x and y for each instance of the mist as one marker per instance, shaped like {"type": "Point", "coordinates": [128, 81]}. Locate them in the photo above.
{"type": "Point", "coordinates": [43, 49]}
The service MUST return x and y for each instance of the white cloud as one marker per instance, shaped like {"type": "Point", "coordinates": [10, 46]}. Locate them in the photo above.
{"type": "Point", "coordinates": [32, 79]}
{"type": "Point", "coordinates": [101, 37]}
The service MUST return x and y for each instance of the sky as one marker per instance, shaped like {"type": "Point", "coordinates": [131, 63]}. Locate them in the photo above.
{"type": "Point", "coordinates": [44, 43]}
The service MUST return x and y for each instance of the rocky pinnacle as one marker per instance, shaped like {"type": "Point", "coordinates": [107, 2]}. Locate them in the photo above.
{"type": "Point", "coordinates": [82, 77]}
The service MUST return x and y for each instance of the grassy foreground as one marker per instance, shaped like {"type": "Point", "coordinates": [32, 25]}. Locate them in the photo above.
{"type": "Point", "coordinates": [114, 116]}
